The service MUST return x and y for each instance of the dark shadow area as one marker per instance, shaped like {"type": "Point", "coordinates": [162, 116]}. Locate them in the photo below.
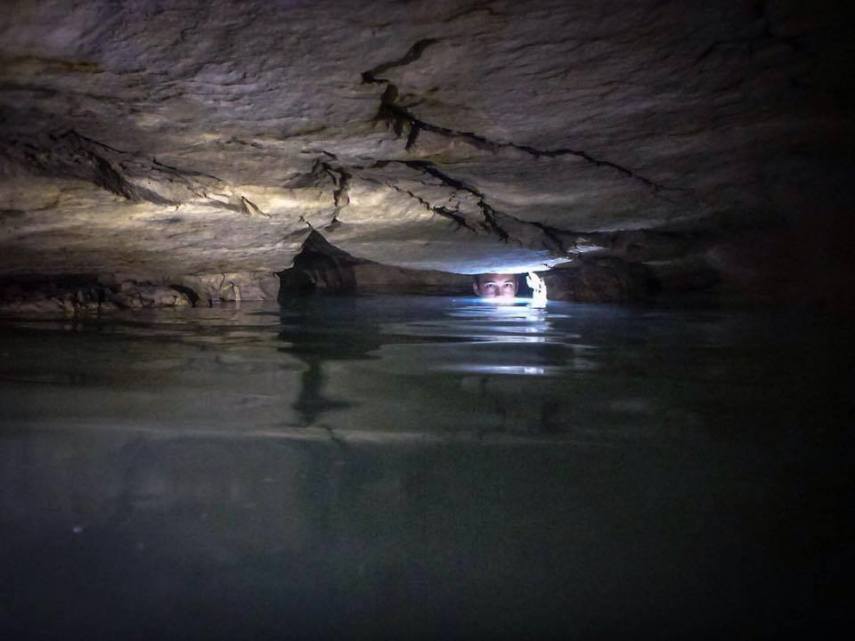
{"type": "Point", "coordinates": [321, 268]}
{"type": "Point", "coordinates": [317, 337]}
{"type": "Point", "coordinates": [188, 538]}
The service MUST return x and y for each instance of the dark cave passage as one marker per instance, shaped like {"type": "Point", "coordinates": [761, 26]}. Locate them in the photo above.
{"type": "Point", "coordinates": [271, 365]}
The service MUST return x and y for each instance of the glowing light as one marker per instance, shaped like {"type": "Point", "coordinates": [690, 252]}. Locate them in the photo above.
{"type": "Point", "coordinates": [513, 370]}
{"type": "Point", "coordinates": [538, 289]}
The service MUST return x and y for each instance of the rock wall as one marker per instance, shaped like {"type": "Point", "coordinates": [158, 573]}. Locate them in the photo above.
{"type": "Point", "coordinates": [195, 139]}
{"type": "Point", "coordinates": [322, 268]}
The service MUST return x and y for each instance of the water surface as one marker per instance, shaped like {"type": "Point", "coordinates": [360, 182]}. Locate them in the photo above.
{"type": "Point", "coordinates": [423, 467]}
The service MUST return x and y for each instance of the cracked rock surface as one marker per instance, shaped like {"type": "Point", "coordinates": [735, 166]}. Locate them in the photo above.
{"type": "Point", "coordinates": [196, 139]}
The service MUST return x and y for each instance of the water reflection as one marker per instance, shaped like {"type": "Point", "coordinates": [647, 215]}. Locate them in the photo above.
{"type": "Point", "coordinates": [380, 364]}
{"type": "Point", "coordinates": [388, 467]}
{"type": "Point", "coordinates": [315, 335]}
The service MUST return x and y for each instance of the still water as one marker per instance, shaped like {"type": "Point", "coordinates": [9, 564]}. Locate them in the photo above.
{"type": "Point", "coordinates": [415, 467]}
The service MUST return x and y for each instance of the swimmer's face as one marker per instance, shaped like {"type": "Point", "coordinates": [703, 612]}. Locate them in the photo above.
{"type": "Point", "coordinates": [495, 285]}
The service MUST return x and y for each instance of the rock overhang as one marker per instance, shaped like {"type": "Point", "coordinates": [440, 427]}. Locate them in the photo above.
{"type": "Point", "coordinates": [214, 137]}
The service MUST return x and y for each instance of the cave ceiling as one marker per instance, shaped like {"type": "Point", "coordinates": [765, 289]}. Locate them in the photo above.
{"type": "Point", "coordinates": [196, 137]}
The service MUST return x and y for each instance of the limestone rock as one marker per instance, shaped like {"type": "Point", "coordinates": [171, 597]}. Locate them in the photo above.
{"type": "Point", "coordinates": [323, 268]}
{"type": "Point", "coordinates": [605, 280]}
{"type": "Point", "coordinates": [229, 287]}
{"type": "Point", "coordinates": [136, 296]}
{"type": "Point", "coordinates": [184, 140]}
{"type": "Point", "coordinates": [86, 295]}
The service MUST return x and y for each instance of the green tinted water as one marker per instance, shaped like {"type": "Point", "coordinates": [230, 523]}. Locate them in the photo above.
{"type": "Point", "coordinates": [423, 467]}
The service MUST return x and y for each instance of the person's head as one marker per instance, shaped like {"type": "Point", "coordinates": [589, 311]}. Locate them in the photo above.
{"type": "Point", "coordinates": [495, 285]}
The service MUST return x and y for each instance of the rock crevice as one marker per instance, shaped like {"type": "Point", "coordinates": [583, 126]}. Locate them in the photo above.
{"type": "Point", "coordinates": [401, 119]}
{"type": "Point", "coordinates": [495, 136]}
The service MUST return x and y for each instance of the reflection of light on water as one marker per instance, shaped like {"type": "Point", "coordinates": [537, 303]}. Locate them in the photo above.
{"type": "Point", "coordinates": [478, 321]}
{"type": "Point", "coordinates": [504, 301]}
{"type": "Point", "coordinates": [476, 332]}
{"type": "Point", "coordinates": [499, 304]}
{"type": "Point", "coordinates": [514, 310]}
{"type": "Point", "coordinates": [518, 370]}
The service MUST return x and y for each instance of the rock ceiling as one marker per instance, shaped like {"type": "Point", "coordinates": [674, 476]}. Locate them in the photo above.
{"type": "Point", "coordinates": [204, 137]}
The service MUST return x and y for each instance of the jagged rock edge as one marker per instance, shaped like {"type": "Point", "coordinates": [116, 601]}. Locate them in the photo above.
{"type": "Point", "coordinates": [107, 176]}
{"type": "Point", "coordinates": [397, 117]}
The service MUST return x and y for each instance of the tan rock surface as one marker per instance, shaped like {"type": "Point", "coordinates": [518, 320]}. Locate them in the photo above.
{"type": "Point", "coordinates": [203, 138]}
